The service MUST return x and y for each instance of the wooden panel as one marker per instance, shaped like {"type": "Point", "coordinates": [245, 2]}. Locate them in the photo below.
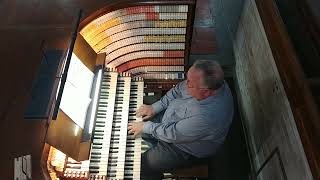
{"type": "Point", "coordinates": [267, 112]}
{"type": "Point", "coordinates": [304, 108]}
{"type": "Point", "coordinates": [84, 151]}
{"type": "Point", "coordinates": [85, 53]}
{"type": "Point", "coordinates": [273, 164]}
{"type": "Point", "coordinates": [204, 41]}
{"type": "Point", "coordinates": [100, 59]}
{"type": "Point", "coordinates": [311, 16]}
{"type": "Point", "coordinates": [300, 31]}
{"type": "Point", "coordinates": [65, 135]}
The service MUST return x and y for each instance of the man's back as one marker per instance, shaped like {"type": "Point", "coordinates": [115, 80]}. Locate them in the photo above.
{"type": "Point", "coordinates": [204, 124]}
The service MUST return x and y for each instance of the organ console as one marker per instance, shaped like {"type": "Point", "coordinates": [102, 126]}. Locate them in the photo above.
{"type": "Point", "coordinates": [114, 153]}
{"type": "Point", "coordinates": [146, 48]}
{"type": "Point", "coordinates": [143, 42]}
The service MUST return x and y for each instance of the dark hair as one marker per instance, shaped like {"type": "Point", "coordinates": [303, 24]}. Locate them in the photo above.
{"type": "Point", "coordinates": [213, 76]}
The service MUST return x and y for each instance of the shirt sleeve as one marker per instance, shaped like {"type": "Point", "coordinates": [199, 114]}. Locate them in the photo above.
{"type": "Point", "coordinates": [183, 131]}
{"type": "Point", "coordinates": [172, 94]}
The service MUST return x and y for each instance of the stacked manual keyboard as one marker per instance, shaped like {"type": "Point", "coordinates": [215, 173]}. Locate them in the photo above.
{"type": "Point", "coordinates": [114, 153]}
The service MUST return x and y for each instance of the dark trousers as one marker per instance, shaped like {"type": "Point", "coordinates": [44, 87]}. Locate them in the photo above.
{"type": "Point", "coordinates": [162, 157]}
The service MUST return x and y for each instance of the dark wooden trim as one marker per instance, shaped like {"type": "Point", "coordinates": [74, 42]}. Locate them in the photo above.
{"type": "Point", "coordinates": [153, 84]}
{"type": "Point", "coordinates": [303, 106]}
{"type": "Point", "coordinates": [66, 67]}
{"type": "Point", "coordinates": [43, 160]}
{"type": "Point", "coordinates": [190, 22]}
{"type": "Point", "coordinates": [310, 21]}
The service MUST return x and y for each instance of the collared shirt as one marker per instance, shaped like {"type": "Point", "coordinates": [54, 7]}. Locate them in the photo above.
{"type": "Point", "coordinates": [196, 127]}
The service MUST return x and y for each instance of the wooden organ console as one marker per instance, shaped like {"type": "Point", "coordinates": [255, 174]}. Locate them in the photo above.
{"type": "Point", "coordinates": [145, 46]}
{"type": "Point", "coordinates": [151, 41]}
{"type": "Point", "coordinates": [142, 45]}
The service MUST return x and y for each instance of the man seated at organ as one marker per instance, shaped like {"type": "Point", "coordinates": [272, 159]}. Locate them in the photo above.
{"type": "Point", "coordinates": [189, 123]}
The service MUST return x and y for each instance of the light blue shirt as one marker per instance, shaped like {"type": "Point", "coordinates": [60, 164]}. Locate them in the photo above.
{"type": "Point", "coordinates": [196, 127]}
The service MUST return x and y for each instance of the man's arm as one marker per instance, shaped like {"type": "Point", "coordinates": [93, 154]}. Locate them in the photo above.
{"type": "Point", "coordinates": [148, 111]}
{"type": "Point", "coordinates": [172, 94]}
{"type": "Point", "coordinates": [186, 130]}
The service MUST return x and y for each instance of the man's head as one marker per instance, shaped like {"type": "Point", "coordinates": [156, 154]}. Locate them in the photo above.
{"type": "Point", "coordinates": [204, 78]}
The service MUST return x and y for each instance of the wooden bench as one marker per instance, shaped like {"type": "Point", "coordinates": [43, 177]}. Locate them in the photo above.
{"type": "Point", "coordinates": [196, 171]}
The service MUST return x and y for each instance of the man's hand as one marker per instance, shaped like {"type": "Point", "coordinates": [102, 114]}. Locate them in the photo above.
{"type": "Point", "coordinates": [135, 128]}
{"type": "Point", "coordinates": [145, 111]}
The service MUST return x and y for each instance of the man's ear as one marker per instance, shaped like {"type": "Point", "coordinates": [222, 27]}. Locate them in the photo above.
{"type": "Point", "coordinates": [207, 92]}
{"type": "Point", "coordinates": [210, 92]}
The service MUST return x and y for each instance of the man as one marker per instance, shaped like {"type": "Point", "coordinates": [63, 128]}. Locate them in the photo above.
{"type": "Point", "coordinates": [198, 113]}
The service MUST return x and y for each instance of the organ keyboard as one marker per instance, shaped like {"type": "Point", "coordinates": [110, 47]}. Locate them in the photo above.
{"type": "Point", "coordinates": [114, 153]}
